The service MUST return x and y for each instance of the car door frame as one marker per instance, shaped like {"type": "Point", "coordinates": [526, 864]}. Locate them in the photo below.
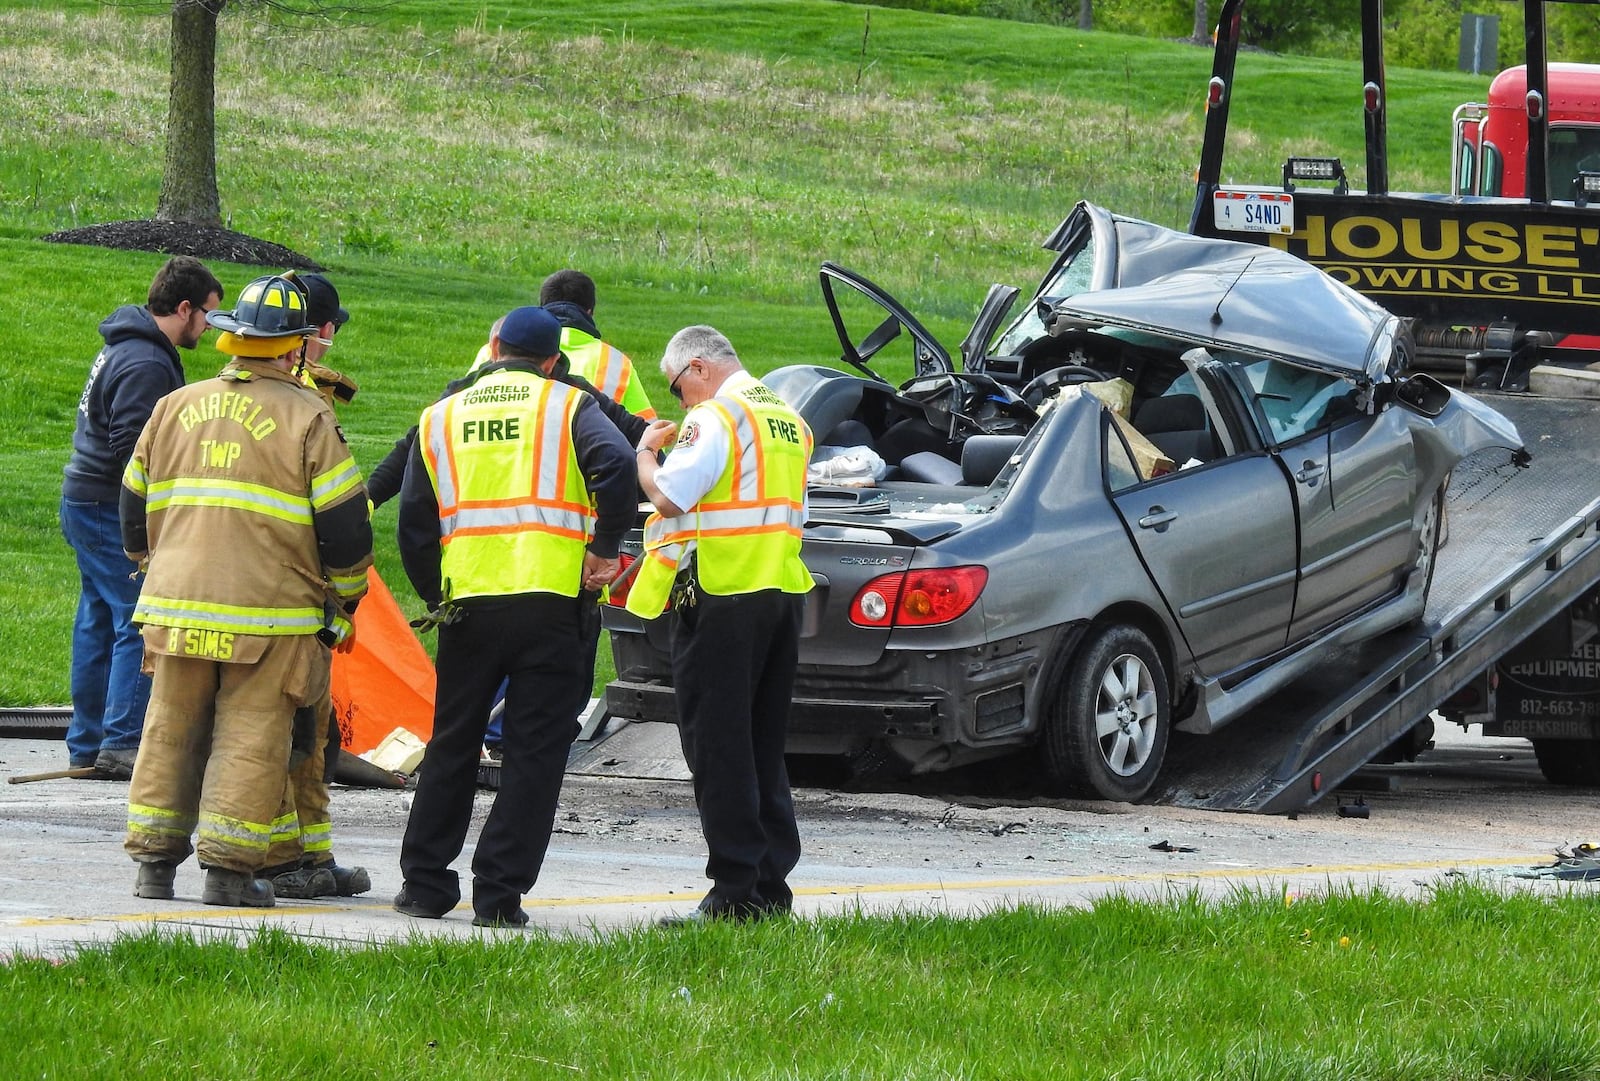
{"type": "Point", "coordinates": [1355, 500]}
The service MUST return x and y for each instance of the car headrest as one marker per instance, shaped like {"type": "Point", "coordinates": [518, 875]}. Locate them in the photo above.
{"type": "Point", "coordinates": [830, 403]}
{"type": "Point", "coordinates": [847, 433]}
{"type": "Point", "coordinates": [930, 468]}
{"type": "Point", "coordinates": [983, 456]}
{"type": "Point", "coordinates": [1171, 413]}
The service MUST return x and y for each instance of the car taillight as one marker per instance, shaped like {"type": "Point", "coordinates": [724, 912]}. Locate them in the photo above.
{"type": "Point", "coordinates": [918, 598]}
{"type": "Point", "coordinates": [617, 594]}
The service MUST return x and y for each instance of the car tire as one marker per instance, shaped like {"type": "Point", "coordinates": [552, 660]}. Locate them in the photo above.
{"type": "Point", "coordinates": [1571, 763]}
{"type": "Point", "coordinates": [1107, 735]}
{"type": "Point", "coordinates": [1430, 543]}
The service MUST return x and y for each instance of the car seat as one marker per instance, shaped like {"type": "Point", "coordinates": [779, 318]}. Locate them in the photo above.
{"type": "Point", "coordinates": [983, 456]}
{"type": "Point", "coordinates": [1176, 424]}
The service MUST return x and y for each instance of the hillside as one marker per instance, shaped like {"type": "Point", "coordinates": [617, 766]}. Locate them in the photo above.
{"type": "Point", "coordinates": [699, 160]}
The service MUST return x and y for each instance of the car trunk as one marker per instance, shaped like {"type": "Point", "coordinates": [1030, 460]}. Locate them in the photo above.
{"type": "Point", "coordinates": [845, 549]}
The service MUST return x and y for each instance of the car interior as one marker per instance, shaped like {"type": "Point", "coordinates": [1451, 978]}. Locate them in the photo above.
{"type": "Point", "coordinates": [960, 429]}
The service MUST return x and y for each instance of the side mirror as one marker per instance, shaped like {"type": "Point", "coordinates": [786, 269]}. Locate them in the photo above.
{"type": "Point", "coordinates": [1422, 393]}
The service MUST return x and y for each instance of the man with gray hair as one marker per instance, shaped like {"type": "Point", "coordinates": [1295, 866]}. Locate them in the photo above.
{"type": "Point", "coordinates": [724, 547]}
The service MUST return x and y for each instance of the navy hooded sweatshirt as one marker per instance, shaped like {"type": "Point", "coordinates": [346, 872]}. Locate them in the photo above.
{"type": "Point", "coordinates": [137, 367]}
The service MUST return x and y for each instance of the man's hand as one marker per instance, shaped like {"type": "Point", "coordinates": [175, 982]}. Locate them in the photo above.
{"type": "Point", "coordinates": [657, 436]}
{"type": "Point", "coordinates": [349, 641]}
{"type": "Point", "coordinates": [598, 571]}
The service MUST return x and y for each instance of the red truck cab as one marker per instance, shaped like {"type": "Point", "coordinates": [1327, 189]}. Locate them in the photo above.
{"type": "Point", "coordinates": [1491, 140]}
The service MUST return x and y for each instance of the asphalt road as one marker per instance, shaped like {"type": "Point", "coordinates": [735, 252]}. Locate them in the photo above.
{"type": "Point", "coordinates": [627, 847]}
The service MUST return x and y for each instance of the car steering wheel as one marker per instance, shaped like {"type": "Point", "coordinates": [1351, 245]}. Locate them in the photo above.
{"type": "Point", "coordinates": [1040, 386]}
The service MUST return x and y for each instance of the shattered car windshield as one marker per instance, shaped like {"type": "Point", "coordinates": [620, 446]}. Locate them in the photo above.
{"type": "Point", "coordinates": [1071, 276]}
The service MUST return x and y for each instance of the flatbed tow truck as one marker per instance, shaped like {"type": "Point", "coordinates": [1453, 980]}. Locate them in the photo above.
{"type": "Point", "coordinates": [1508, 638]}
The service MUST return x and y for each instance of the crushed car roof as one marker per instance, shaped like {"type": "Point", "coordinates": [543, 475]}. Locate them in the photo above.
{"type": "Point", "coordinates": [1230, 295]}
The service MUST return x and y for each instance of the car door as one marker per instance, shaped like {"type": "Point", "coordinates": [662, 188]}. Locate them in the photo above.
{"type": "Point", "coordinates": [1219, 542]}
{"type": "Point", "coordinates": [1353, 484]}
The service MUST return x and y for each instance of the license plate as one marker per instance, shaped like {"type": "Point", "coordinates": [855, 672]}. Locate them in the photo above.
{"type": "Point", "coordinates": [1253, 211]}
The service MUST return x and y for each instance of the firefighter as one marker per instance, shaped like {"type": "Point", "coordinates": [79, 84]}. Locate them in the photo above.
{"type": "Point", "coordinates": [724, 548]}
{"type": "Point", "coordinates": [244, 501]}
{"type": "Point", "coordinates": [300, 863]}
{"type": "Point", "coordinates": [513, 507]}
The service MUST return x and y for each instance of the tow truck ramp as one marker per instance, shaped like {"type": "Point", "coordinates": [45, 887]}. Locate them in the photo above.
{"type": "Point", "coordinates": [1522, 546]}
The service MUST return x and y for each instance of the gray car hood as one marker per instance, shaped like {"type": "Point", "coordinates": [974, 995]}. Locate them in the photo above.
{"type": "Point", "coordinates": [1231, 295]}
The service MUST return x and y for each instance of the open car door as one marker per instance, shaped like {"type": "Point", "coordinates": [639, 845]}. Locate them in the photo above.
{"type": "Point", "coordinates": [872, 324]}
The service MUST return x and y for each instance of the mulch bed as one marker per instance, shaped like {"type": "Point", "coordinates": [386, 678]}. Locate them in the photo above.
{"type": "Point", "coordinates": [185, 238]}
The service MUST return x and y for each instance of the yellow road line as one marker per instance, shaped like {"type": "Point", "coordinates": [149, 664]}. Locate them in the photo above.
{"type": "Point", "coordinates": [962, 886]}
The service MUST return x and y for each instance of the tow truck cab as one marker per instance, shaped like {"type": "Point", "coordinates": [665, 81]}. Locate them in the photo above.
{"type": "Point", "coordinates": [1497, 274]}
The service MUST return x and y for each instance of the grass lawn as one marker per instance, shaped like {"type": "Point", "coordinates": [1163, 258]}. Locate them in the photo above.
{"type": "Point", "coordinates": [1471, 984]}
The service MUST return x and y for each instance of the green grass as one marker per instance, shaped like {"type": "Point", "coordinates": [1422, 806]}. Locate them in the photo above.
{"type": "Point", "coordinates": [1355, 985]}
{"type": "Point", "coordinates": [699, 160]}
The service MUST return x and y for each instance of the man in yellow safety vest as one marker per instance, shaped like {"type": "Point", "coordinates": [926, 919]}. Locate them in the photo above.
{"type": "Point", "coordinates": [569, 295]}
{"type": "Point", "coordinates": [513, 507]}
{"type": "Point", "coordinates": [724, 546]}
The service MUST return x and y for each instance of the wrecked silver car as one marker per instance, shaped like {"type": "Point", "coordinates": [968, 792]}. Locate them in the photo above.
{"type": "Point", "coordinates": [1183, 470]}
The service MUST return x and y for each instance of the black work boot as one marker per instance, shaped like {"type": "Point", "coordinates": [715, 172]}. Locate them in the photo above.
{"type": "Point", "coordinates": [155, 880]}
{"type": "Point", "coordinates": [350, 881]}
{"type": "Point", "coordinates": [236, 888]}
{"type": "Point", "coordinates": [117, 762]}
{"type": "Point", "coordinates": [303, 882]}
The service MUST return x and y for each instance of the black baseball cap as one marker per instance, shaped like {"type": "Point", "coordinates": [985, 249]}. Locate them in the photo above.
{"type": "Point", "coordinates": [322, 300]}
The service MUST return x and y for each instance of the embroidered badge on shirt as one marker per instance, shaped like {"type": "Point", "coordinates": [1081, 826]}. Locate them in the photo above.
{"type": "Point", "coordinates": [690, 433]}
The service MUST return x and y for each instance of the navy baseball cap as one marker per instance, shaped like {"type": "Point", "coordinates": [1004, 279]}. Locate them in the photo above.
{"type": "Point", "coordinates": [531, 331]}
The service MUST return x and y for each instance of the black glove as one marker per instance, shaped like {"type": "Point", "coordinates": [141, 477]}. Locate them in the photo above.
{"type": "Point", "coordinates": [303, 736]}
{"type": "Point", "coordinates": [330, 753]}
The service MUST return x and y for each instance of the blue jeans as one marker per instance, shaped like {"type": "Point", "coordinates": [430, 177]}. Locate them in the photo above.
{"type": "Point", "coordinates": [109, 692]}
{"type": "Point", "coordinates": [493, 736]}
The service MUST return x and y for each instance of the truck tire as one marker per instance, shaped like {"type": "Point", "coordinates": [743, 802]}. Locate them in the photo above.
{"type": "Point", "coordinates": [1107, 734]}
{"type": "Point", "coordinates": [1573, 763]}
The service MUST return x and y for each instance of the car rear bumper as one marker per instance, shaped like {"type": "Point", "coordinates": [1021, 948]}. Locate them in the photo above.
{"type": "Point", "coordinates": [976, 696]}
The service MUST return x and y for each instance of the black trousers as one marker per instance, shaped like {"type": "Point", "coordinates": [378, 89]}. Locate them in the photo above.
{"type": "Point", "coordinates": [733, 665]}
{"type": "Point", "coordinates": [537, 642]}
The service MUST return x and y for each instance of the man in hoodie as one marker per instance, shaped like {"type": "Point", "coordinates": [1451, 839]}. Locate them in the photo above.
{"type": "Point", "coordinates": [138, 366]}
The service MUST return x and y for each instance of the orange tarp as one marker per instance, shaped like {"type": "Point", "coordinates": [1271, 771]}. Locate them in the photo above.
{"type": "Point", "coordinates": [386, 681]}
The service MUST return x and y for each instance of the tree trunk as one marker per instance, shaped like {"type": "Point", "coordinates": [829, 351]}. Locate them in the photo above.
{"type": "Point", "coordinates": [1085, 14]}
{"type": "Point", "coordinates": [189, 173]}
{"type": "Point", "coordinates": [1201, 30]}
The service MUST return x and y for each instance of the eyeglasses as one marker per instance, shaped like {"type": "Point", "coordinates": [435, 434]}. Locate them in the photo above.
{"type": "Point", "coordinates": [672, 387]}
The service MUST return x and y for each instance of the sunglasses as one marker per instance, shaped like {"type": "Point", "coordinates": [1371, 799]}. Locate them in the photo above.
{"type": "Point", "coordinates": [672, 387]}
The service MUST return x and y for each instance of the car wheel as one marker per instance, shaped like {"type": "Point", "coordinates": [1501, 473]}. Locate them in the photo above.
{"type": "Point", "coordinates": [1428, 548]}
{"type": "Point", "coordinates": [1108, 733]}
{"type": "Point", "coordinates": [1572, 763]}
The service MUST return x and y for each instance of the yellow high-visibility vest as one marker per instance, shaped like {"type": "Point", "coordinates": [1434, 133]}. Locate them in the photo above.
{"type": "Point", "coordinates": [514, 513]}
{"type": "Point", "coordinates": [747, 529]}
{"type": "Point", "coordinates": [608, 369]}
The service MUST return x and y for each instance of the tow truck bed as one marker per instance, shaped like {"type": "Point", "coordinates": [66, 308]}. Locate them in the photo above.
{"type": "Point", "coordinates": [1522, 546]}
